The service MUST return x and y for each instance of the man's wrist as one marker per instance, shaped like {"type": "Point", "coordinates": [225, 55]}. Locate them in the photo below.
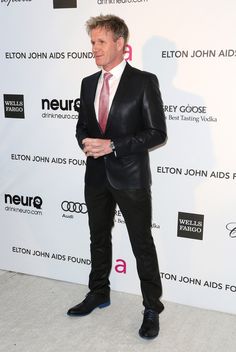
{"type": "Point", "coordinates": [113, 148]}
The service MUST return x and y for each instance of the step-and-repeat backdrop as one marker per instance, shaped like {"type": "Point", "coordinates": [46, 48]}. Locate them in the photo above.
{"type": "Point", "coordinates": [45, 53]}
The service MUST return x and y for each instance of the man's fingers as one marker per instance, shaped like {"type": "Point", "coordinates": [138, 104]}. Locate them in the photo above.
{"type": "Point", "coordinates": [96, 147]}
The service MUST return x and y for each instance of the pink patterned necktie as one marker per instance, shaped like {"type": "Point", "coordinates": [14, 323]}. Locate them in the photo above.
{"type": "Point", "coordinates": [104, 102]}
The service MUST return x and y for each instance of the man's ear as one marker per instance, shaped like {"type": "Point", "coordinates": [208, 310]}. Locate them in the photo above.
{"type": "Point", "coordinates": [120, 44]}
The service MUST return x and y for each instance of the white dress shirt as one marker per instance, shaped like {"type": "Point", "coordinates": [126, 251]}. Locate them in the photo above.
{"type": "Point", "coordinates": [113, 84]}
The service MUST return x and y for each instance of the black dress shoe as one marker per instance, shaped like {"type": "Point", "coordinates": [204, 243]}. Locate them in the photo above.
{"type": "Point", "coordinates": [150, 326]}
{"type": "Point", "coordinates": [92, 301]}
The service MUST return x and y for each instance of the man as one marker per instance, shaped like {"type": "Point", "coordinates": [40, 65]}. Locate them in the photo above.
{"type": "Point", "coordinates": [121, 116]}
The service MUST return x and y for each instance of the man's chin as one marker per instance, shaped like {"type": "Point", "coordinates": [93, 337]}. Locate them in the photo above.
{"type": "Point", "coordinates": [98, 62]}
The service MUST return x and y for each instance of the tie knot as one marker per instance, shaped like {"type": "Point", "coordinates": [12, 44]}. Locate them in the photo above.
{"type": "Point", "coordinates": [107, 76]}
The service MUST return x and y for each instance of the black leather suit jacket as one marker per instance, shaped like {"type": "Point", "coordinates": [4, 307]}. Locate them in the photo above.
{"type": "Point", "coordinates": [136, 123]}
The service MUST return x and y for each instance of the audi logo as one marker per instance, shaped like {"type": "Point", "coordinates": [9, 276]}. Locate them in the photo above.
{"type": "Point", "coordinates": [74, 207]}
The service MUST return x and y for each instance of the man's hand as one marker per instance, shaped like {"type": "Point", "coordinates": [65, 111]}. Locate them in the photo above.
{"type": "Point", "coordinates": [96, 147]}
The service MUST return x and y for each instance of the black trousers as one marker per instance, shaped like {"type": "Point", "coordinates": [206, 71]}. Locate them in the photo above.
{"type": "Point", "coordinates": [135, 206]}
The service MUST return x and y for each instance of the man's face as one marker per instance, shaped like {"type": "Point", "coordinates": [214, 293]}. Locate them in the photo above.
{"type": "Point", "coordinates": [108, 53]}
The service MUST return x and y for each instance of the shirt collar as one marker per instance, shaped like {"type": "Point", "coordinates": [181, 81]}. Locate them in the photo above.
{"type": "Point", "coordinates": [117, 70]}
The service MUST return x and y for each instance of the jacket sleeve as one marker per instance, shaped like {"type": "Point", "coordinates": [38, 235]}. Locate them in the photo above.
{"type": "Point", "coordinates": [81, 127]}
{"type": "Point", "coordinates": [153, 132]}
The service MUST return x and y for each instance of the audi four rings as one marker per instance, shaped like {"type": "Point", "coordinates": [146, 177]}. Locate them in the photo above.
{"type": "Point", "coordinates": [74, 207]}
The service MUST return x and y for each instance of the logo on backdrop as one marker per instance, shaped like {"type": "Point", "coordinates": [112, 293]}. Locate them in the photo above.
{"type": "Point", "coordinates": [128, 53]}
{"type": "Point", "coordinates": [64, 105]}
{"type": "Point", "coordinates": [70, 208]}
{"type": "Point", "coordinates": [190, 225]}
{"type": "Point", "coordinates": [120, 2]}
{"type": "Point", "coordinates": [23, 204]}
{"type": "Point", "coordinates": [62, 55]}
{"type": "Point", "coordinates": [119, 219]}
{"type": "Point", "coordinates": [14, 106]}
{"type": "Point", "coordinates": [8, 2]}
{"type": "Point", "coordinates": [64, 4]}
{"type": "Point", "coordinates": [121, 266]}
{"type": "Point", "coordinates": [74, 207]}
{"type": "Point", "coordinates": [231, 227]}
{"type": "Point", "coordinates": [193, 113]}
{"type": "Point", "coordinates": [198, 54]}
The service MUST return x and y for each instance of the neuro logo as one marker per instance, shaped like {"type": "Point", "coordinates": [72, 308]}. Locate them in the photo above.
{"type": "Point", "coordinates": [64, 4]}
{"type": "Point", "coordinates": [67, 108]}
{"type": "Point", "coordinates": [65, 105]}
{"type": "Point", "coordinates": [23, 204]}
{"type": "Point", "coordinates": [190, 226]}
{"type": "Point", "coordinates": [14, 106]}
{"type": "Point", "coordinates": [25, 201]}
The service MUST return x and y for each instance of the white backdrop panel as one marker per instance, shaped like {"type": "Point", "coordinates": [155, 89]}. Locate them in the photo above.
{"type": "Point", "coordinates": [45, 53]}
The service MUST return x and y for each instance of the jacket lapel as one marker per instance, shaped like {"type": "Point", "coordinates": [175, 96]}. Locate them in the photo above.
{"type": "Point", "coordinates": [92, 94]}
{"type": "Point", "coordinates": [121, 89]}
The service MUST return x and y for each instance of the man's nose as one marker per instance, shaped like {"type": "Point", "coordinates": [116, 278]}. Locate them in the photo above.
{"type": "Point", "coordinates": [95, 48]}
